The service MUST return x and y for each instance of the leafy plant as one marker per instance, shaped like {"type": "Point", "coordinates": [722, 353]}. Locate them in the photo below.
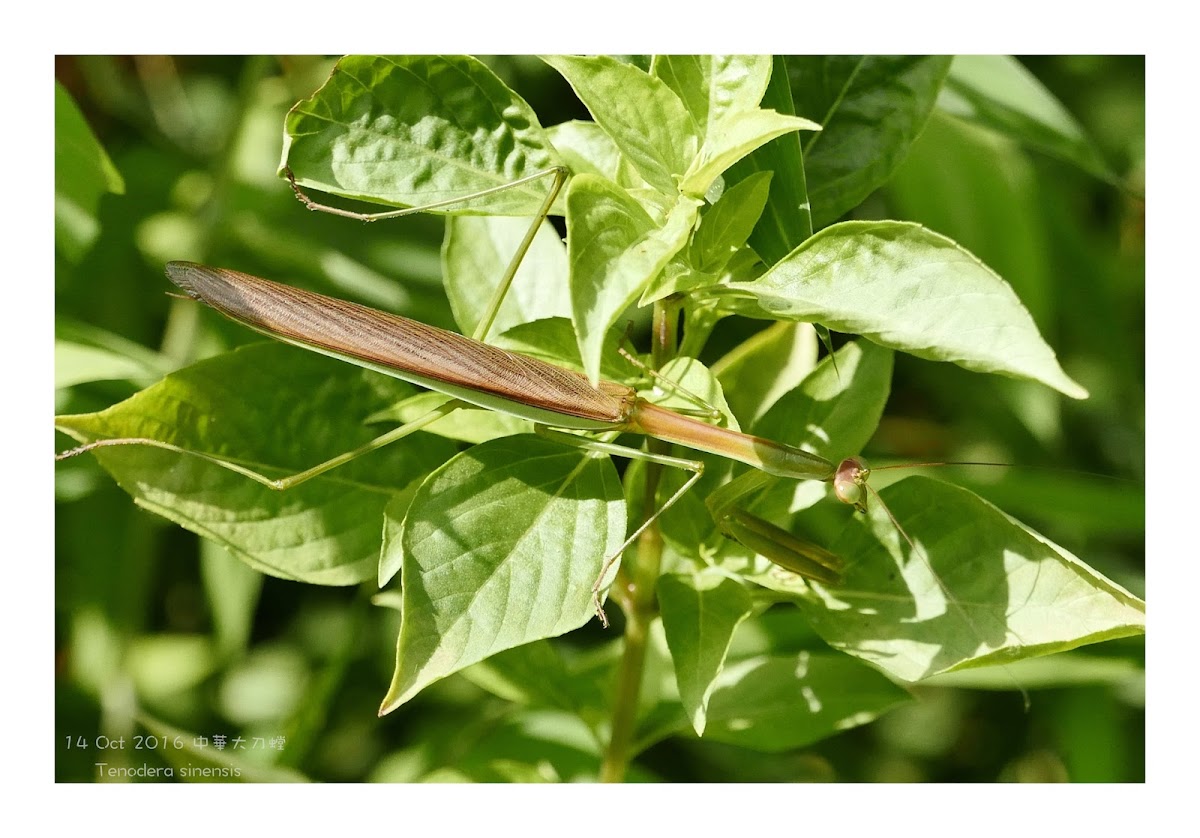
{"type": "Point", "coordinates": [707, 189]}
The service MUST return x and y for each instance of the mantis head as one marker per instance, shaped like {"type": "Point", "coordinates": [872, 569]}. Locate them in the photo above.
{"type": "Point", "coordinates": [850, 482]}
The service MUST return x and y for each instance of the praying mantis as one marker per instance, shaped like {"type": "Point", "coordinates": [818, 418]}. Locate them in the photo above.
{"type": "Point", "coordinates": [564, 403]}
{"type": "Point", "coordinates": [522, 386]}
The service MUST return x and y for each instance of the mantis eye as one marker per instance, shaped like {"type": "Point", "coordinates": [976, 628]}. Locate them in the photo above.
{"type": "Point", "coordinates": [848, 483]}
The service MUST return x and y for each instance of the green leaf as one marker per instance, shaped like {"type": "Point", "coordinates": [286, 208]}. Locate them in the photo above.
{"type": "Point", "coordinates": [1068, 669]}
{"type": "Point", "coordinates": [714, 87]}
{"type": "Point", "coordinates": [586, 149]}
{"type": "Point", "coordinates": [787, 219]}
{"type": "Point", "coordinates": [642, 115]}
{"type": "Point", "coordinates": [997, 92]}
{"type": "Point", "coordinates": [733, 139]}
{"type": "Point", "coordinates": [700, 612]}
{"type": "Point", "coordinates": [967, 182]}
{"type": "Point", "coordinates": [911, 289]}
{"type": "Point", "coordinates": [678, 277]}
{"type": "Point", "coordinates": [603, 223]}
{"type": "Point", "coordinates": [648, 258]}
{"type": "Point", "coordinates": [727, 225]}
{"type": "Point", "coordinates": [277, 410]}
{"type": "Point", "coordinates": [413, 130]}
{"type": "Point", "coordinates": [391, 552]}
{"type": "Point", "coordinates": [502, 546]}
{"type": "Point", "coordinates": [83, 173]}
{"type": "Point", "coordinates": [835, 410]}
{"type": "Point", "coordinates": [979, 588]}
{"type": "Point", "coordinates": [615, 250]}
{"type": "Point", "coordinates": [776, 703]}
{"type": "Point", "coordinates": [756, 372]}
{"type": "Point", "coordinates": [871, 108]}
{"type": "Point", "coordinates": [475, 254]}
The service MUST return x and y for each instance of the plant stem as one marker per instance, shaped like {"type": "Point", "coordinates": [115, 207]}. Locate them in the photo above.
{"type": "Point", "coordinates": [638, 603]}
{"type": "Point", "coordinates": [637, 598]}
{"type": "Point", "coordinates": [629, 682]}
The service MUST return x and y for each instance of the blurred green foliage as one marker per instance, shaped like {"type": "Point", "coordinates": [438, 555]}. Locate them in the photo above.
{"type": "Point", "coordinates": [160, 634]}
